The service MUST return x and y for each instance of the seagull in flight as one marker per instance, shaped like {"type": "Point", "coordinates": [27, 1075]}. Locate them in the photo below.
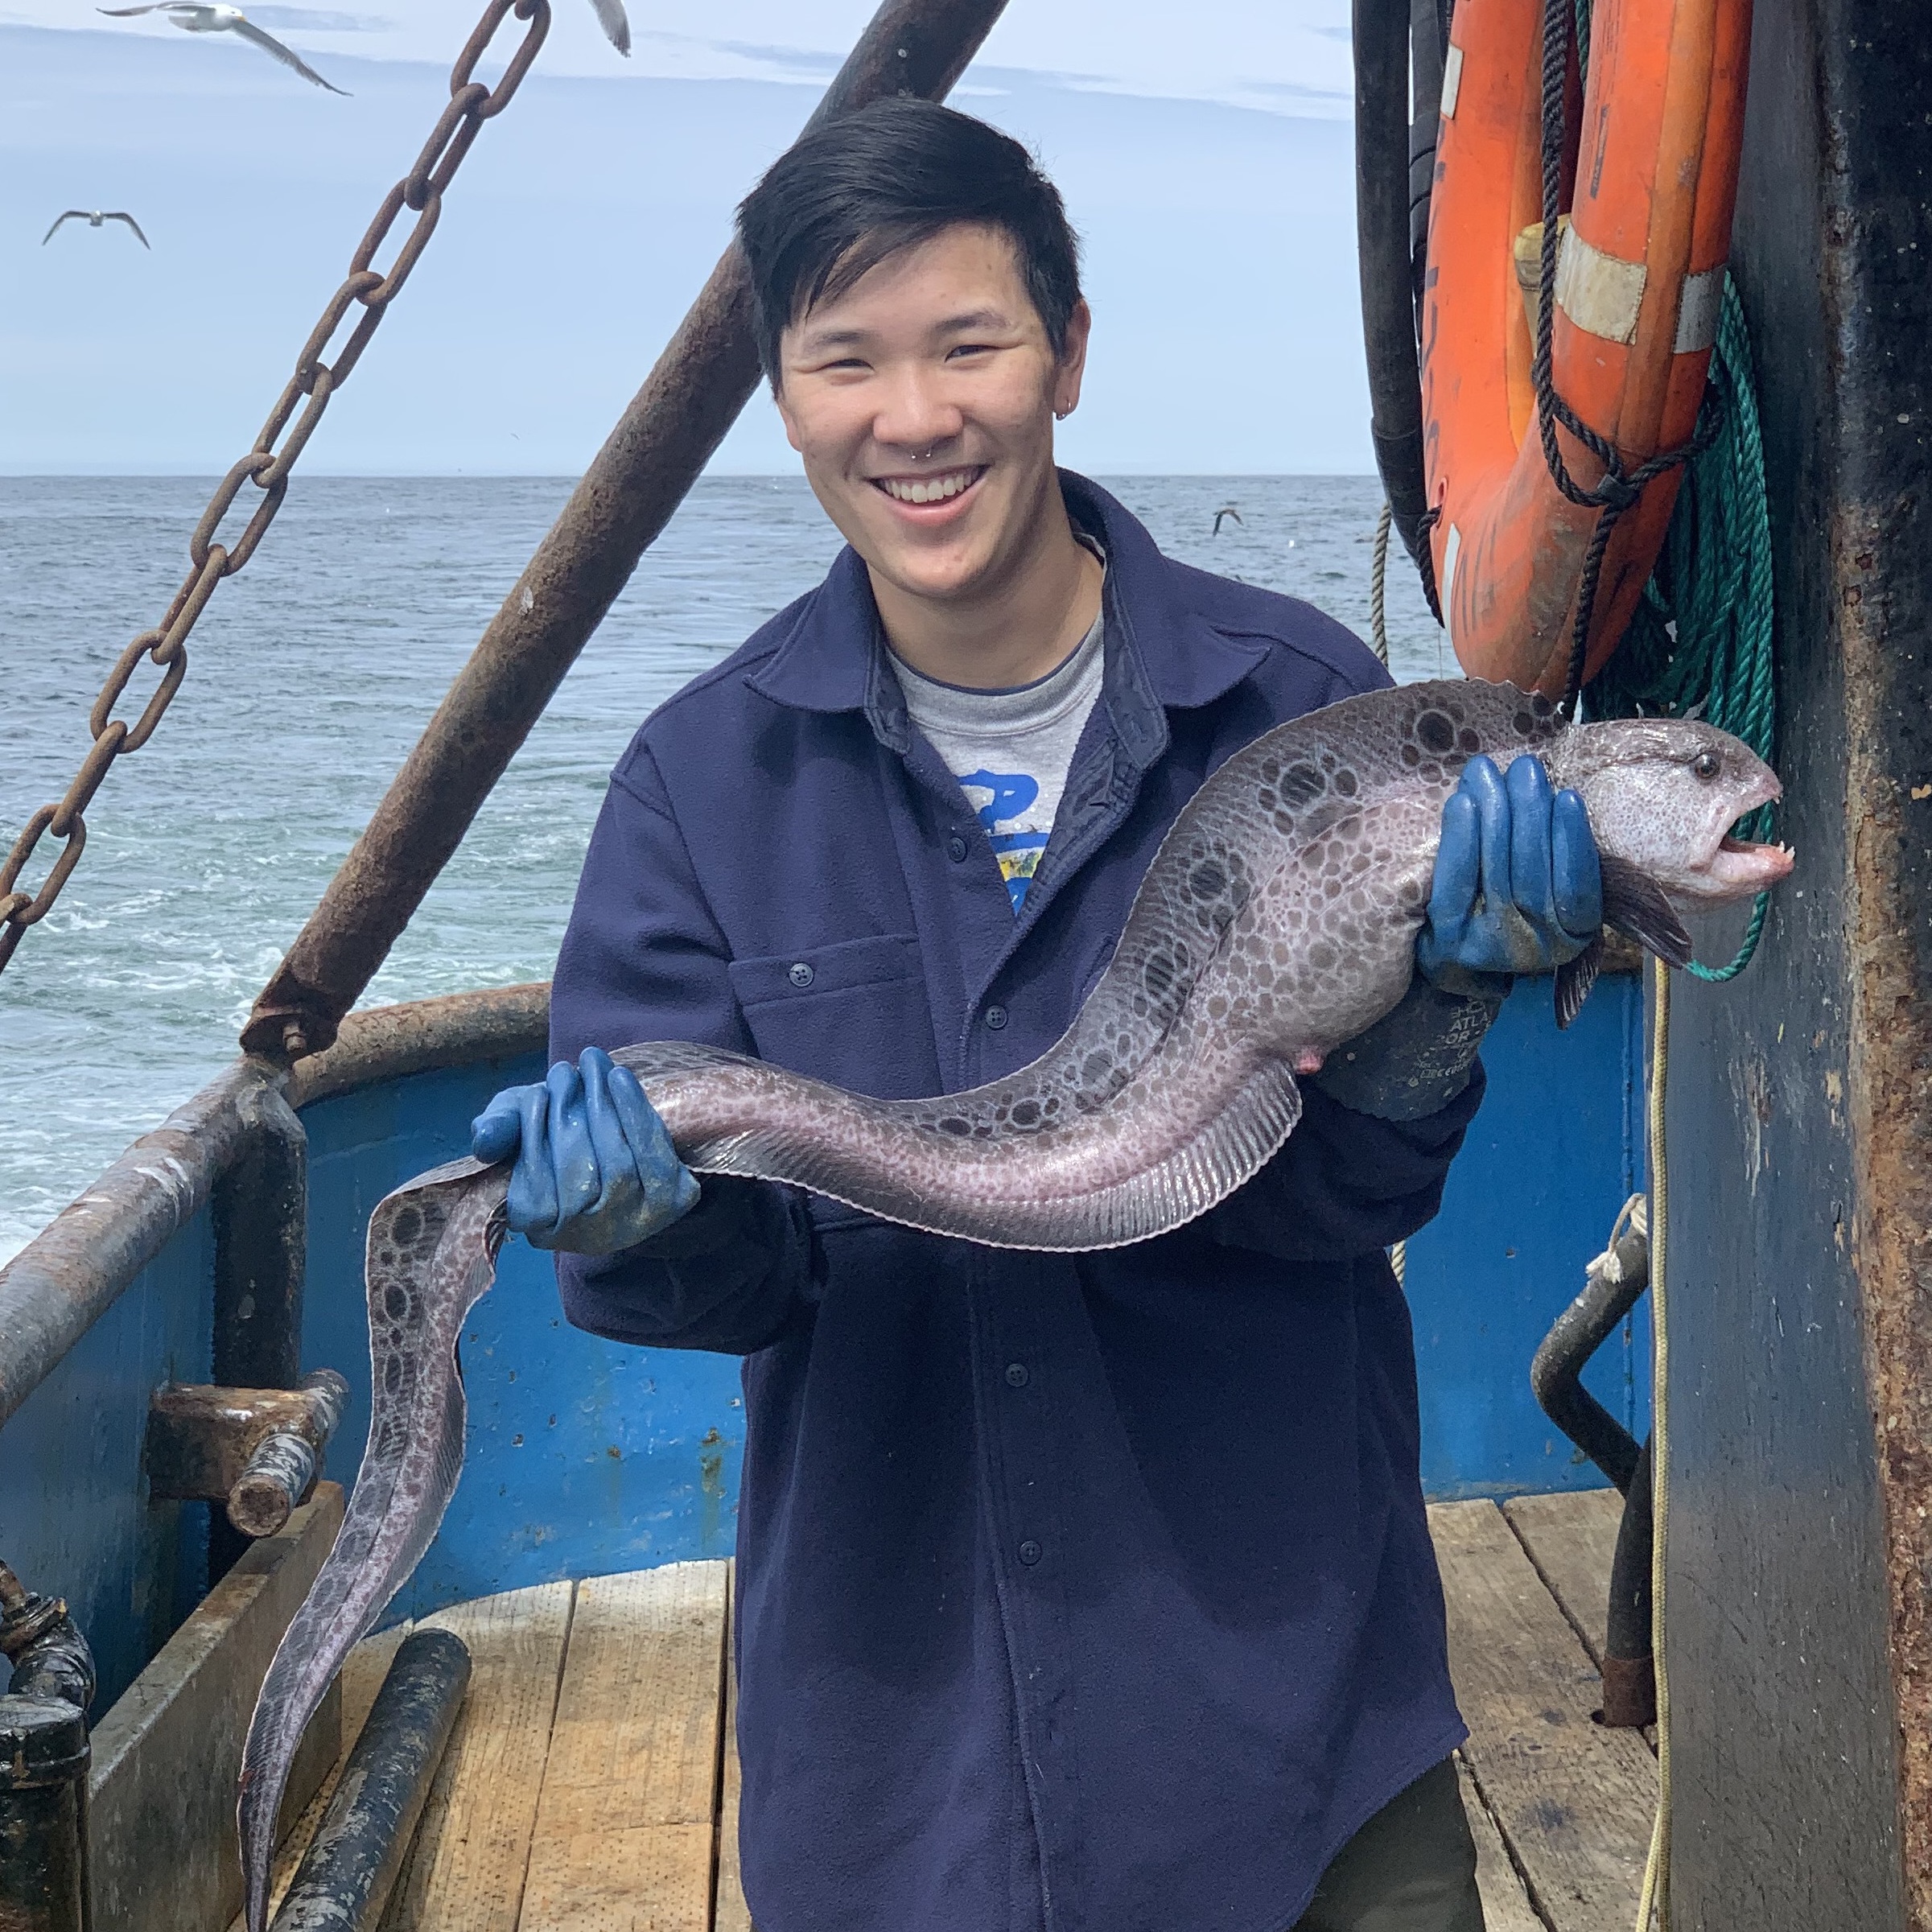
{"type": "Point", "coordinates": [615, 23]}
{"type": "Point", "coordinates": [94, 217]}
{"type": "Point", "coordinates": [1225, 511]}
{"type": "Point", "coordinates": [196, 18]}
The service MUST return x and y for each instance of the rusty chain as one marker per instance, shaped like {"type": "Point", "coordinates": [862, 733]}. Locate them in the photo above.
{"type": "Point", "coordinates": [420, 192]}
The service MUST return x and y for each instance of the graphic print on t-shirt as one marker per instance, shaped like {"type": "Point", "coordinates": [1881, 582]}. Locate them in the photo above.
{"type": "Point", "coordinates": [1011, 750]}
{"type": "Point", "coordinates": [1012, 796]}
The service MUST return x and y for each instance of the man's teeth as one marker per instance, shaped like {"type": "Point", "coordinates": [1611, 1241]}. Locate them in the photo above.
{"type": "Point", "coordinates": [928, 489]}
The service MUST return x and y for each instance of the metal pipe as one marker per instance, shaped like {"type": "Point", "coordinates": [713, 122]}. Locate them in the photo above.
{"type": "Point", "coordinates": [261, 1216]}
{"type": "Point", "coordinates": [50, 1656]}
{"type": "Point", "coordinates": [44, 1765]}
{"type": "Point", "coordinates": [57, 1287]}
{"type": "Point", "coordinates": [345, 1878]}
{"type": "Point", "coordinates": [1630, 1669]}
{"type": "Point", "coordinates": [1381, 33]}
{"type": "Point", "coordinates": [1615, 1282]}
{"type": "Point", "coordinates": [663, 440]}
{"type": "Point", "coordinates": [390, 1043]}
{"type": "Point", "coordinates": [282, 1469]}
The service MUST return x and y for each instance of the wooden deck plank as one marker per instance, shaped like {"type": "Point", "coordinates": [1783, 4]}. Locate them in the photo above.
{"type": "Point", "coordinates": [1505, 1905]}
{"type": "Point", "coordinates": [1573, 1801]}
{"type": "Point", "coordinates": [467, 1871]}
{"type": "Point", "coordinates": [593, 1783]}
{"type": "Point", "coordinates": [656, 1878]}
{"type": "Point", "coordinates": [1570, 1540]}
{"type": "Point", "coordinates": [729, 1912]}
{"type": "Point", "coordinates": [626, 1835]}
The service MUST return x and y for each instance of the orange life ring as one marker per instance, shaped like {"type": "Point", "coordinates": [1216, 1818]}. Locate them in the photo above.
{"type": "Point", "coordinates": [1639, 287]}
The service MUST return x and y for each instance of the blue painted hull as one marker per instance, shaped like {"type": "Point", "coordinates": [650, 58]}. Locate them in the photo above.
{"type": "Point", "coordinates": [586, 1457]}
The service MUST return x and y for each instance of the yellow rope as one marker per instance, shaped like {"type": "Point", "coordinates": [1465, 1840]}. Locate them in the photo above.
{"type": "Point", "coordinates": [1379, 636]}
{"type": "Point", "coordinates": [1655, 1900]}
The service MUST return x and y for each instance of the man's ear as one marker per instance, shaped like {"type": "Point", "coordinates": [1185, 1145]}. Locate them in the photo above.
{"type": "Point", "coordinates": [1072, 363]}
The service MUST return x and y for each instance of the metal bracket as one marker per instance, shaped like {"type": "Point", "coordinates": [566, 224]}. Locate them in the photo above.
{"type": "Point", "coordinates": [258, 1451]}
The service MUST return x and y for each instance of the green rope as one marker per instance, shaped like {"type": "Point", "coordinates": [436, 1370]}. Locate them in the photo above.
{"type": "Point", "coordinates": [1700, 642]}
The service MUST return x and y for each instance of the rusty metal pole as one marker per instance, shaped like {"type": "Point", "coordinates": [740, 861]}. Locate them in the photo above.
{"type": "Point", "coordinates": [260, 1215]}
{"type": "Point", "coordinates": [664, 439]}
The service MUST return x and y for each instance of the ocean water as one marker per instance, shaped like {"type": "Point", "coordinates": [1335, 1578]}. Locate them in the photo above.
{"type": "Point", "coordinates": [311, 676]}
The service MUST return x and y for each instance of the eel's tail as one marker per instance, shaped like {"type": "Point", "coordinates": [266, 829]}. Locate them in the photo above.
{"type": "Point", "coordinates": [432, 1251]}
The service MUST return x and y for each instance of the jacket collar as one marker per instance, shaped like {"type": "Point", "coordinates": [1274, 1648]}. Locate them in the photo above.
{"type": "Point", "coordinates": [1161, 651]}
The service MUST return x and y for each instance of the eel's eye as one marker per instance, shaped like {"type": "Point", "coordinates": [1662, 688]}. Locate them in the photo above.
{"type": "Point", "coordinates": [1706, 765]}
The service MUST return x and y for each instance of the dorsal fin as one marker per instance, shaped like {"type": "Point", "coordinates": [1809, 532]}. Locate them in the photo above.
{"type": "Point", "coordinates": [1231, 1148]}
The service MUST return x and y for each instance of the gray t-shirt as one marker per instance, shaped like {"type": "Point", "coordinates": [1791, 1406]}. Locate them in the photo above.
{"type": "Point", "coordinates": [1010, 750]}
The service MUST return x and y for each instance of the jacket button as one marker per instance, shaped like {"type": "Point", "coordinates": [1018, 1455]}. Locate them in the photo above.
{"type": "Point", "coordinates": [802, 975]}
{"type": "Point", "coordinates": [996, 1017]}
{"type": "Point", "coordinates": [1029, 1551]}
{"type": "Point", "coordinates": [1017, 1377]}
{"type": "Point", "coordinates": [956, 849]}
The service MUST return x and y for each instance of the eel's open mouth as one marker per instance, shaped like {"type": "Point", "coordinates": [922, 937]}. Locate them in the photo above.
{"type": "Point", "coordinates": [1742, 867]}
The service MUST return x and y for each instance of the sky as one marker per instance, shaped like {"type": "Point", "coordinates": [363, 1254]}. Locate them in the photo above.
{"type": "Point", "coordinates": [1206, 161]}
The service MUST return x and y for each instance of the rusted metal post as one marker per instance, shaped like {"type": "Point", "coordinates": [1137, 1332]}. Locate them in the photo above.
{"type": "Point", "coordinates": [257, 1450]}
{"type": "Point", "coordinates": [261, 1214]}
{"type": "Point", "coordinates": [663, 440]}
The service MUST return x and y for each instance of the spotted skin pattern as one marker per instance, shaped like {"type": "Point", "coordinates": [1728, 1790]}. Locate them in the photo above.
{"type": "Point", "coordinates": [1277, 920]}
{"type": "Point", "coordinates": [432, 1253]}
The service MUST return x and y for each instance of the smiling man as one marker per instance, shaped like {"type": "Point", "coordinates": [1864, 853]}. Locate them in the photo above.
{"type": "Point", "coordinates": [1075, 1591]}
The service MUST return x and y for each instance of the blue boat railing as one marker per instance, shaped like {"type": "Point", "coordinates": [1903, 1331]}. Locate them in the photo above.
{"type": "Point", "coordinates": [587, 1457]}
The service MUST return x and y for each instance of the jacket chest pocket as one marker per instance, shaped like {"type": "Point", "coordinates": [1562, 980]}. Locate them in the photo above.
{"type": "Point", "coordinates": [855, 1014]}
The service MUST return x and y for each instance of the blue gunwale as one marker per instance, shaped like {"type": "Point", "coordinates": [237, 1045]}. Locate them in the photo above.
{"type": "Point", "coordinates": [587, 1458]}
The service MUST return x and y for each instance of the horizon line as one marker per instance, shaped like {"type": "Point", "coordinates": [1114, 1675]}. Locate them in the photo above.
{"type": "Point", "coordinates": [169, 474]}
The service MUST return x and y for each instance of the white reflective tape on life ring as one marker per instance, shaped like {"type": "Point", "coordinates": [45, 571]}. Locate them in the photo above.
{"type": "Point", "coordinates": [1698, 310]}
{"type": "Point", "coordinates": [1452, 81]}
{"type": "Point", "coordinates": [1600, 294]}
{"type": "Point", "coordinates": [1451, 551]}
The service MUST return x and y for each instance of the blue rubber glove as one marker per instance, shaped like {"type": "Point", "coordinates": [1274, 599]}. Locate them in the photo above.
{"type": "Point", "coordinates": [1517, 888]}
{"type": "Point", "coordinates": [596, 1171]}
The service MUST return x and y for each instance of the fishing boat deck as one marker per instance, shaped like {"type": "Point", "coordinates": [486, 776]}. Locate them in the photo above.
{"type": "Point", "coordinates": [590, 1785]}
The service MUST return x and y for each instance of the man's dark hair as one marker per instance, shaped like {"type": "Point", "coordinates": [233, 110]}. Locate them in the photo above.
{"type": "Point", "coordinates": [886, 177]}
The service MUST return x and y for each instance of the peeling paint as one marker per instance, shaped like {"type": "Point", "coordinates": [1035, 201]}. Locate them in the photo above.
{"type": "Point", "coordinates": [1891, 1099]}
{"type": "Point", "coordinates": [710, 1484]}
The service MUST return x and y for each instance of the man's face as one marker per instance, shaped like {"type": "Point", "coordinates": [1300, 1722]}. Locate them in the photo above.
{"type": "Point", "coordinates": [922, 401]}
